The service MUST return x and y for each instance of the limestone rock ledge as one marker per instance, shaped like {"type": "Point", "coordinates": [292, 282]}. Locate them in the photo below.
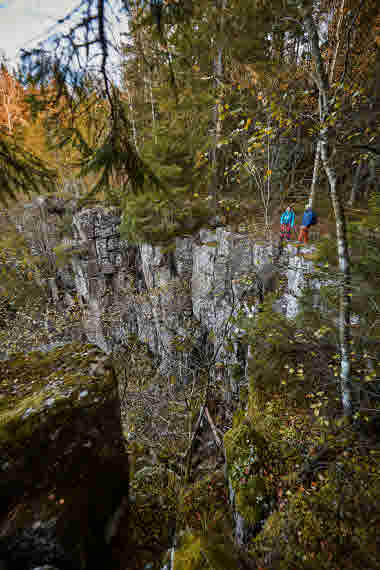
{"type": "Point", "coordinates": [64, 469]}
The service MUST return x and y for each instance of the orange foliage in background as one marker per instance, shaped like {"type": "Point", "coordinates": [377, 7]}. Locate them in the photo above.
{"type": "Point", "coordinates": [13, 108]}
{"type": "Point", "coordinates": [359, 25]}
{"type": "Point", "coordinates": [54, 111]}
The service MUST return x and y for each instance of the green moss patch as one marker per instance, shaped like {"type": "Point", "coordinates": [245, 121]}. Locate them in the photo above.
{"type": "Point", "coordinates": [249, 462]}
{"type": "Point", "coordinates": [199, 552]}
{"type": "Point", "coordinates": [238, 438]}
{"type": "Point", "coordinates": [251, 500]}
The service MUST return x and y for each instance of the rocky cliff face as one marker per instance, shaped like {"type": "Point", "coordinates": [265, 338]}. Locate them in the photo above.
{"type": "Point", "coordinates": [163, 296]}
{"type": "Point", "coordinates": [157, 293]}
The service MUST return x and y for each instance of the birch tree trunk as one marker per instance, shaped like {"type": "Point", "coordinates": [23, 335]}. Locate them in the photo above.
{"type": "Point", "coordinates": [315, 175]}
{"type": "Point", "coordinates": [218, 71]}
{"type": "Point", "coordinates": [132, 118]}
{"type": "Point", "coordinates": [355, 184]}
{"type": "Point", "coordinates": [338, 41]}
{"type": "Point", "coordinates": [152, 109]}
{"type": "Point", "coordinates": [342, 246]}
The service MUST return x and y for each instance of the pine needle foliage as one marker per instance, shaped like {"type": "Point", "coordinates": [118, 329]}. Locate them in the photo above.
{"type": "Point", "coordinates": [22, 171]}
{"type": "Point", "coordinates": [116, 155]}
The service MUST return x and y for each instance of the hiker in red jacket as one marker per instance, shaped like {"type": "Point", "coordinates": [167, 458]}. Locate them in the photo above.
{"type": "Point", "coordinates": [287, 222]}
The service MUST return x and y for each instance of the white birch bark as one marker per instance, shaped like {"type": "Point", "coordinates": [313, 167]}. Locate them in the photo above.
{"type": "Point", "coordinates": [268, 184]}
{"type": "Point", "coordinates": [153, 110]}
{"type": "Point", "coordinates": [355, 184]}
{"type": "Point", "coordinates": [132, 117]}
{"type": "Point", "coordinates": [315, 176]}
{"type": "Point", "coordinates": [342, 246]}
{"type": "Point", "coordinates": [338, 41]}
{"type": "Point", "coordinates": [218, 71]}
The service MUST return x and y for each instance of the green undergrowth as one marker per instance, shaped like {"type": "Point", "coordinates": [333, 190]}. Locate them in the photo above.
{"type": "Point", "coordinates": [319, 472]}
{"type": "Point", "coordinates": [152, 515]}
{"type": "Point", "coordinates": [204, 504]}
{"type": "Point", "coordinates": [162, 505]}
{"type": "Point", "coordinates": [304, 480]}
{"type": "Point", "coordinates": [331, 523]}
{"type": "Point", "coordinates": [205, 519]}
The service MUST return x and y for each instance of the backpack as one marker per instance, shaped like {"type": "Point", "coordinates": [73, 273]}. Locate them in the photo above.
{"type": "Point", "coordinates": [314, 219]}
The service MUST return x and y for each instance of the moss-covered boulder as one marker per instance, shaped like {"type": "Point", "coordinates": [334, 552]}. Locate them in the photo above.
{"type": "Point", "coordinates": [251, 493]}
{"type": "Point", "coordinates": [64, 469]}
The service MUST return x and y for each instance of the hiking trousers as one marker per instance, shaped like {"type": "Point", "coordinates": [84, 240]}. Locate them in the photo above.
{"type": "Point", "coordinates": [285, 231]}
{"type": "Point", "coordinates": [304, 234]}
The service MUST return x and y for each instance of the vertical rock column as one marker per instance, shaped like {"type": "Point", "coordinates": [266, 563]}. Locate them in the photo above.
{"type": "Point", "coordinates": [102, 276]}
{"type": "Point", "coordinates": [222, 261]}
{"type": "Point", "coordinates": [167, 277]}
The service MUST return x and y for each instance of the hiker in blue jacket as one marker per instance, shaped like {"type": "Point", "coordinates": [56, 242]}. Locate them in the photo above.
{"type": "Point", "coordinates": [287, 222]}
{"type": "Point", "coordinates": [309, 219]}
